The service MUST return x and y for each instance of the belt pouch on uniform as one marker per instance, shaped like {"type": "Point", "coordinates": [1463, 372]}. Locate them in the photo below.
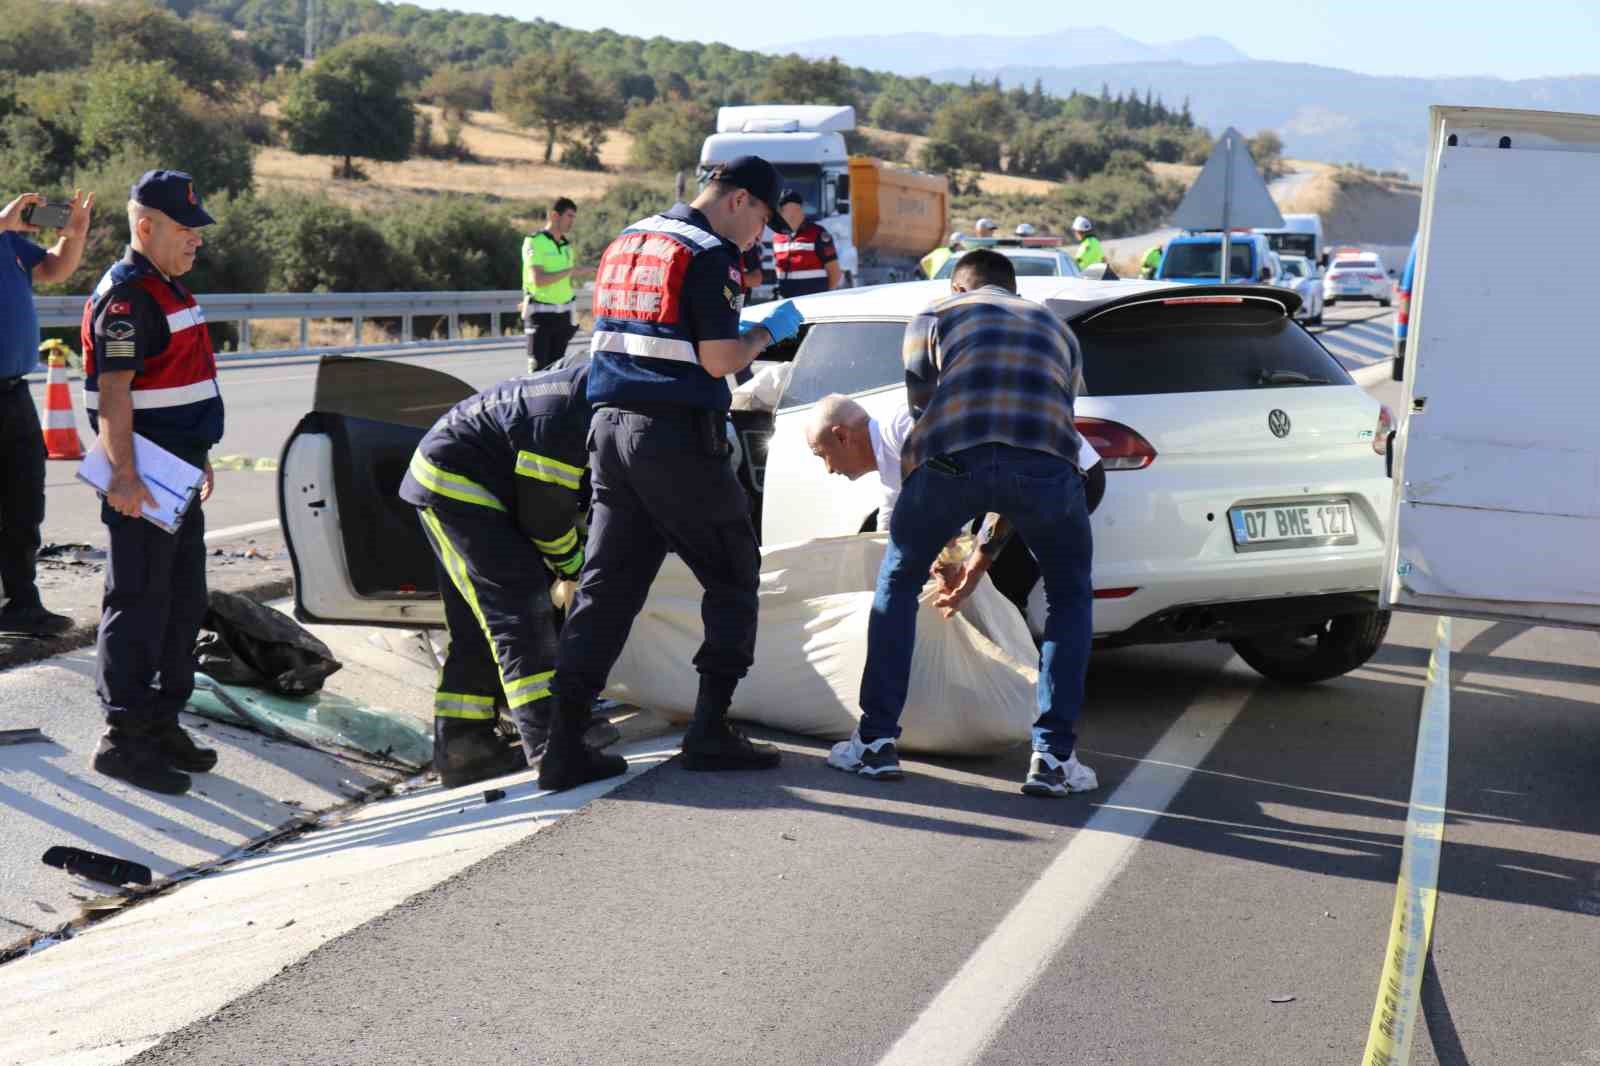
{"type": "Point", "coordinates": [710, 426]}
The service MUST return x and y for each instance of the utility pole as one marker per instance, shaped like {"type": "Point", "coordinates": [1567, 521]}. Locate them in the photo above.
{"type": "Point", "coordinates": [311, 30]}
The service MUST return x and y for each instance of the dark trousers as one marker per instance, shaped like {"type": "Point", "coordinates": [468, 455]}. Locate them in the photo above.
{"type": "Point", "coordinates": [497, 606]}
{"type": "Point", "coordinates": [21, 494]}
{"type": "Point", "coordinates": [154, 604]}
{"type": "Point", "coordinates": [661, 483]}
{"type": "Point", "coordinates": [548, 336]}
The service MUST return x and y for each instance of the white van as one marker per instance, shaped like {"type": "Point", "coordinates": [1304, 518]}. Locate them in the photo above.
{"type": "Point", "coordinates": [1497, 502]}
{"type": "Point", "coordinates": [1299, 235]}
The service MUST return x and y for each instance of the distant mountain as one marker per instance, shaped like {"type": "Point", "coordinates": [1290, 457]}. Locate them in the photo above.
{"type": "Point", "coordinates": [1321, 112]}
{"type": "Point", "coordinates": [914, 54]}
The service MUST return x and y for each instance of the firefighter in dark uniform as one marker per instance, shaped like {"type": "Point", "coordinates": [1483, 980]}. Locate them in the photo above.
{"type": "Point", "coordinates": [666, 336]}
{"type": "Point", "coordinates": [149, 369]}
{"type": "Point", "coordinates": [806, 259]}
{"type": "Point", "coordinates": [548, 306]}
{"type": "Point", "coordinates": [499, 471]}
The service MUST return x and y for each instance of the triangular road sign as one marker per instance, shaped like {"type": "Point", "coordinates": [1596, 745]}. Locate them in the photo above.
{"type": "Point", "coordinates": [1229, 193]}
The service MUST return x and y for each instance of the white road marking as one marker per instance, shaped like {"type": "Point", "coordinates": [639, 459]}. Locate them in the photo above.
{"type": "Point", "coordinates": [264, 526]}
{"type": "Point", "coordinates": [119, 986]}
{"type": "Point", "coordinates": [964, 1017]}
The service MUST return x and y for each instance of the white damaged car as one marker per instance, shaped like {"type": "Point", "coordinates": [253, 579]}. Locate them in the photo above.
{"type": "Point", "coordinates": [1246, 488]}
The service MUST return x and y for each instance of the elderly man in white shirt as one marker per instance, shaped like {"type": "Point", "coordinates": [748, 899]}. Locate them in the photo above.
{"type": "Point", "coordinates": [851, 443]}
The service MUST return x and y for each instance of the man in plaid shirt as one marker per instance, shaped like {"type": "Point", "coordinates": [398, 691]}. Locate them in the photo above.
{"type": "Point", "coordinates": [991, 379]}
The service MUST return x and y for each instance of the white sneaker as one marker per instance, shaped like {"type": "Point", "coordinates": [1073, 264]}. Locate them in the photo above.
{"type": "Point", "coordinates": [877, 760]}
{"type": "Point", "coordinates": [1050, 776]}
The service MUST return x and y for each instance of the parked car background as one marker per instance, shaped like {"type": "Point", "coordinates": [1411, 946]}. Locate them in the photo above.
{"type": "Point", "coordinates": [1302, 275]}
{"type": "Point", "coordinates": [1356, 276]}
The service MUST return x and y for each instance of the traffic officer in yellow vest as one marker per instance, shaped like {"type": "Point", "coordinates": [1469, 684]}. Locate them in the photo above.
{"type": "Point", "coordinates": [805, 257]}
{"type": "Point", "coordinates": [667, 335]}
{"type": "Point", "coordinates": [1152, 262]}
{"type": "Point", "coordinates": [1089, 250]}
{"type": "Point", "coordinates": [497, 481]}
{"type": "Point", "coordinates": [937, 258]}
{"type": "Point", "coordinates": [548, 312]}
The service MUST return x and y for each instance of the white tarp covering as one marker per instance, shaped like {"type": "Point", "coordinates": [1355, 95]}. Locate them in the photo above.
{"type": "Point", "coordinates": [972, 676]}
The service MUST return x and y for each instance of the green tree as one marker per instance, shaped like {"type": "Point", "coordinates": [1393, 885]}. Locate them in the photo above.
{"type": "Point", "coordinates": [139, 97]}
{"type": "Point", "coordinates": [352, 103]}
{"type": "Point", "coordinates": [457, 90]}
{"type": "Point", "coordinates": [977, 125]}
{"type": "Point", "coordinates": [198, 51]}
{"type": "Point", "coordinates": [667, 134]}
{"type": "Point", "coordinates": [1266, 148]}
{"type": "Point", "coordinates": [553, 93]}
{"type": "Point", "coordinates": [941, 157]}
{"type": "Point", "coordinates": [37, 37]}
{"type": "Point", "coordinates": [454, 244]}
{"type": "Point", "coordinates": [793, 80]}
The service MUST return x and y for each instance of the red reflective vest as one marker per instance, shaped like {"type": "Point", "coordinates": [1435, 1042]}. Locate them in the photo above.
{"type": "Point", "coordinates": [798, 259]}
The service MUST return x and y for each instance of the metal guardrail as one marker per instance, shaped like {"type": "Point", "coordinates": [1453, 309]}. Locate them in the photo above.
{"type": "Point", "coordinates": [357, 307]}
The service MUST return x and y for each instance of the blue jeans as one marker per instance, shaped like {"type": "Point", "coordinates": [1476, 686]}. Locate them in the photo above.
{"type": "Point", "coordinates": [1042, 495]}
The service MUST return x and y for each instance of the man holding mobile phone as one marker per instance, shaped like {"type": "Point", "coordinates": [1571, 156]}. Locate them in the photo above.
{"type": "Point", "coordinates": [22, 263]}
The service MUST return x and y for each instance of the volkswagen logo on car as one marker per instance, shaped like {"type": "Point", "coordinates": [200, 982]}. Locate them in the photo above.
{"type": "Point", "coordinates": [1278, 422]}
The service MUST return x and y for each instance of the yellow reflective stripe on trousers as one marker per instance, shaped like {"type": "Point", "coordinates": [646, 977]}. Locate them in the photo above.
{"type": "Point", "coordinates": [451, 486]}
{"type": "Point", "coordinates": [560, 546]}
{"type": "Point", "coordinates": [456, 566]}
{"type": "Point", "coordinates": [543, 468]}
{"type": "Point", "coordinates": [462, 705]}
{"type": "Point", "coordinates": [525, 690]}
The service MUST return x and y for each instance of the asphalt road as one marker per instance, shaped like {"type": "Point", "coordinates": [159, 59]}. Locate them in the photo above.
{"type": "Point", "coordinates": [1243, 847]}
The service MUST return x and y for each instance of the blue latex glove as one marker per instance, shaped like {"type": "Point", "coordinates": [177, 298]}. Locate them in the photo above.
{"type": "Point", "coordinates": [783, 321]}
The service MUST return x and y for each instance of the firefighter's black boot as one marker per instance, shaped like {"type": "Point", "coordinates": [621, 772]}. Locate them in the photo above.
{"type": "Point", "coordinates": [471, 749]}
{"type": "Point", "coordinates": [712, 744]}
{"type": "Point", "coordinates": [568, 760]}
{"type": "Point", "coordinates": [181, 750]}
{"type": "Point", "coordinates": [533, 726]}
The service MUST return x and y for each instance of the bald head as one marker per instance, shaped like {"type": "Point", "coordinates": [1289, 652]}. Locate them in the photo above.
{"type": "Point", "coordinates": [839, 434]}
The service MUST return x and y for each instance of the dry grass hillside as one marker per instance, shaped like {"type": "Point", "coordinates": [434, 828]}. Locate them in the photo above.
{"type": "Point", "coordinates": [508, 165]}
{"type": "Point", "coordinates": [1359, 209]}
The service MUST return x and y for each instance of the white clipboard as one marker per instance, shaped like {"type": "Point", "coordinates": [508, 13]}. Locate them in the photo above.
{"type": "Point", "coordinates": [173, 482]}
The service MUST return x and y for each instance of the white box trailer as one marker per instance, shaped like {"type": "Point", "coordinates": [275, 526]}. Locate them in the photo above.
{"type": "Point", "coordinates": [1496, 508]}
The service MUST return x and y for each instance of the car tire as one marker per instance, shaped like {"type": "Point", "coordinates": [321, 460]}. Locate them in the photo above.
{"type": "Point", "coordinates": [1306, 655]}
{"type": "Point", "coordinates": [1316, 320]}
{"type": "Point", "coordinates": [1329, 302]}
{"type": "Point", "coordinates": [1384, 303]}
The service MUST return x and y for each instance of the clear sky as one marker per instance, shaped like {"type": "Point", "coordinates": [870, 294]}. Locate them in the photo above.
{"type": "Point", "coordinates": [1508, 38]}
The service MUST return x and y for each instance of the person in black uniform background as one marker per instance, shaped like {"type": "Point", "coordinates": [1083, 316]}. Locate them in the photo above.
{"type": "Point", "coordinates": [667, 334]}
{"type": "Point", "coordinates": [497, 480]}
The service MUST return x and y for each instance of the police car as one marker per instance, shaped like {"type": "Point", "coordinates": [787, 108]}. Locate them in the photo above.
{"type": "Point", "coordinates": [1246, 497]}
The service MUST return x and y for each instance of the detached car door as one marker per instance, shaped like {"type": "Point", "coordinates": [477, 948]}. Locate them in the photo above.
{"type": "Point", "coordinates": [357, 549]}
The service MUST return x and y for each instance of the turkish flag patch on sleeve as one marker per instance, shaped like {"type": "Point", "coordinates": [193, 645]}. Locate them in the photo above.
{"type": "Point", "coordinates": [119, 307]}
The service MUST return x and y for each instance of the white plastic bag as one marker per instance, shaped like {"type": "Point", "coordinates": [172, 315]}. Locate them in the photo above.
{"type": "Point", "coordinates": [972, 678]}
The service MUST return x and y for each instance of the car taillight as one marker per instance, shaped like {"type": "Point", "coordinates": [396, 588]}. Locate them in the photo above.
{"type": "Point", "coordinates": [1402, 310]}
{"type": "Point", "coordinates": [1380, 436]}
{"type": "Point", "coordinates": [1375, 277]}
{"type": "Point", "coordinates": [1120, 448]}
{"type": "Point", "coordinates": [1114, 594]}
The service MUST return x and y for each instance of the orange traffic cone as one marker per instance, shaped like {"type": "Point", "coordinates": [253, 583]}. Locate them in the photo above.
{"type": "Point", "coordinates": [61, 438]}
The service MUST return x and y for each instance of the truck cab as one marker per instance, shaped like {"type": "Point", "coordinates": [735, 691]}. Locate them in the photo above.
{"type": "Point", "coordinates": [806, 144]}
{"type": "Point", "coordinates": [1299, 235]}
{"type": "Point", "coordinates": [1196, 259]}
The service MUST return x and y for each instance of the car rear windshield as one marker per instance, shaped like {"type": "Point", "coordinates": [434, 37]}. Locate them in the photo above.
{"type": "Point", "coordinates": [1205, 261]}
{"type": "Point", "coordinates": [1355, 264]}
{"type": "Point", "coordinates": [1157, 347]}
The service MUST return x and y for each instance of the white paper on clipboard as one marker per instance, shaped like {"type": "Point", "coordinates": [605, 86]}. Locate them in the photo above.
{"type": "Point", "coordinates": [173, 482]}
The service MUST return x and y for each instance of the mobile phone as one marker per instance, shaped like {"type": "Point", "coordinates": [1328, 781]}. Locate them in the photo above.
{"type": "Point", "coordinates": [47, 215]}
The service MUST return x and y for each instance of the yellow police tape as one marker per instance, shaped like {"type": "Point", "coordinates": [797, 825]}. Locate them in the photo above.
{"type": "Point", "coordinates": [242, 462]}
{"type": "Point", "coordinates": [1395, 1015]}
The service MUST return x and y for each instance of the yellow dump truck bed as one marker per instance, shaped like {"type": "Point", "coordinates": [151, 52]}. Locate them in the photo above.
{"type": "Point", "coordinates": [895, 211]}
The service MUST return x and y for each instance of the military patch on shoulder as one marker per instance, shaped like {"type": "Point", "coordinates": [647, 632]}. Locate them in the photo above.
{"type": "Point", "coordinates": [733, 297]}
{"type": "Point", "coordinates": [120, 329]}
{"type": "Point", "coordinates": [119, 307]}
{"type": "Point", "coordinates": [733, 275]}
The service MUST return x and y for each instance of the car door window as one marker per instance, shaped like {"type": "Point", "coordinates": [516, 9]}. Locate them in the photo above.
{"type": "Point", "coordinates": [847, 357]}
